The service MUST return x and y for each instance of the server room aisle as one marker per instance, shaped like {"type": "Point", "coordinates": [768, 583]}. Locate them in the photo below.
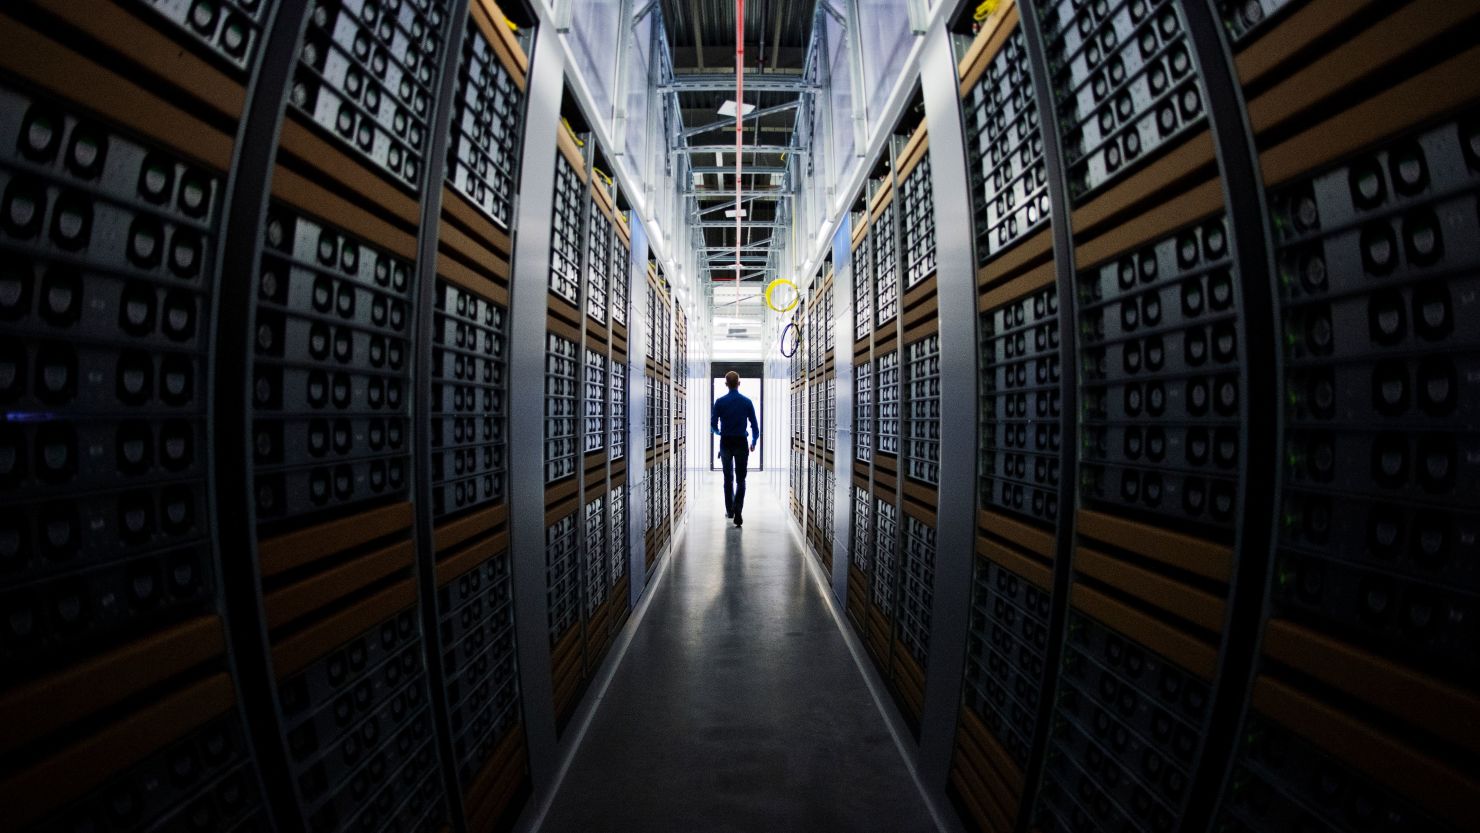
{"type": "Point", "coordinates": [738, 706]}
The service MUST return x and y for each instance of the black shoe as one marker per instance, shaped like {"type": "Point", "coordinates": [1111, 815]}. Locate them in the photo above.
{"type": "Point", "coordinates": [738, 519]}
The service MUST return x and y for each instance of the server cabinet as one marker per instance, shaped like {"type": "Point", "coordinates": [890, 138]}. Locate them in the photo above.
{"type": "Point", "coordinates": [111, 233]}
{"type": "Point", "coordinates": [1167, 605]}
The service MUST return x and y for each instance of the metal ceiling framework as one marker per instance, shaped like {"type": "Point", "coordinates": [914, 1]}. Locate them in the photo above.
{"type": "Point", "coordinates": [783, 82]}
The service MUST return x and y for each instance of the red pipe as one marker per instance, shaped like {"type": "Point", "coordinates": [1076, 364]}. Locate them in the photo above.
{"type": "Point", "coordinates": [739, 126]}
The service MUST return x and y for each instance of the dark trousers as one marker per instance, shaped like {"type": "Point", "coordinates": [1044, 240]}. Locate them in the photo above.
{"type": "Point", "coordinates": [733, 455]}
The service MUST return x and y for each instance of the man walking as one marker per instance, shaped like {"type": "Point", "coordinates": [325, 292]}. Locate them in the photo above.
{"type": "Point", "coordinates": [727, 419]}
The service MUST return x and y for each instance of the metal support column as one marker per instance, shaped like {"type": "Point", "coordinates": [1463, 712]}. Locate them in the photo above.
{"type": "Point", "coordinates": [1252, 246]}
{"type": "Point", "coordinates": [1063, 255]}
{"type": "Point", "coordinates": [637, 326]}
{"type": "Point", "coordinates": [842, 323]}
{"type": "Point", "coordinates": [528, 296]}
{"type": "Point", "coordinates": [234, 515]}
{"type": "Point", "coordinates": [434, 172]}
{"type": "Point", "coordinates": [955, 526]}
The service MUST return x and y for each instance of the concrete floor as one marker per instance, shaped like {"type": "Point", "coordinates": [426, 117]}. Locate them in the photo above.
{"type": "Point", "coordinates": [738, 706]}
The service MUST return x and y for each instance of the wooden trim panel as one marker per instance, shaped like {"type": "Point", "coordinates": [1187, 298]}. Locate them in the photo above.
{"type": "Point", "coordinates": [988, 42]}
{"type": "Point", "coordinates": [295, 549]}
{"type": "Point", "coordinates": [74, 78]}
{"type": "Point", "coordinates": [1185, 552]}
{"type": "Point", "coordinates": [48, 703]}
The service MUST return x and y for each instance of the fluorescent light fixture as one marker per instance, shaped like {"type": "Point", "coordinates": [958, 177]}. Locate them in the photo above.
{"type": "Point", "coordinates": [733, 213]}
{"type": "Point", "coordinates": [728, 108]}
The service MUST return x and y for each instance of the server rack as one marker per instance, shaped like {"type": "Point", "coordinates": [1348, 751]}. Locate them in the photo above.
{"type": "Point", "coordinates": [258, 303]}
{"type": "Point", "coordinates": [586, 319]}
{"type": "Point", "coordinates": [663, 438]}
{"type": "Point", "coordinates": [1202, 291]}
{"type": "Point", "coordinates": [116, 640]}
{"type": "Point", "coordinates": [814, 395]}
{"type": "Point", "coordinates": [895, 433]}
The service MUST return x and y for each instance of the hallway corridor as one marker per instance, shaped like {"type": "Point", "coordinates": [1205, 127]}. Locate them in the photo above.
{"type": "Point", "coordinates": [737, 706]}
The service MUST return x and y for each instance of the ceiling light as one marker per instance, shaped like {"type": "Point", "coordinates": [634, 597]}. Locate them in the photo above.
{"type": "Point", "coordinates": [728, 108]}
{"type": "Point", "coordinates": [733, 213]}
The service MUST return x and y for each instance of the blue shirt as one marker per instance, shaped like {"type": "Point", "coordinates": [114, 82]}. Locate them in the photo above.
{"type": "Point", "coordinates": [728, 416]}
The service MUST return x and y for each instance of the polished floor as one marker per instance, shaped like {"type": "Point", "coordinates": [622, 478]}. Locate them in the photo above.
{"type": "Point", "coordinates": [738, 706]}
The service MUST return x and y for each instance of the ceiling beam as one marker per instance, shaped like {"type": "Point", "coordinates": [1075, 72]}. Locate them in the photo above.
{"type": "Point", "coordinates": [764, 244]}
{"type": "Point", "coordinates": [728, 205]}
{"type": "Point", "coordinates": [729, 193]}
{"type": "Point", "coordinates": [725, 82]}
{"type": "Point", "coordinates": [743, 222]}
{"type": "Point", "coordinates": [744, 149]}
{"type": "Point", "coordinates": [698, 36]}
{"type": "Point", "coordinates": [751, 116]}
{"type": "Point", "coordinates": [730, 169]}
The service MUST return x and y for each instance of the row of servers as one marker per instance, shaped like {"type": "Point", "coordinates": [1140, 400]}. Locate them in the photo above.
{"type": "Point", "coordinates": [1222, 261]}
{"type": "Point", "coordinates": [256, 276]}
{"type": "Point", "coordinates": [664, 455]}
{"type": "Point", "coordinates": [894, 481]}
{"type": "Point", "coordinates": [813, 419]}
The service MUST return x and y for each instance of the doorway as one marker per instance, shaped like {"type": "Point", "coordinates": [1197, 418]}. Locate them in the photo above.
{"type": "Point", "coordinates": [751, 385]}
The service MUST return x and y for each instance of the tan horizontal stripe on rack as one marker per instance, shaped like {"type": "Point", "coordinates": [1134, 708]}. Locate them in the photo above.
{"type": "Point", "coordinates": [1347, 63]}
{"type": "Point", "coordinates": [560, 496]}
{"type": "Point", "coordinates": [1038, 245]}
{"type": "Point", "coordinates": [1014, 562]}
{"type": "Point", "coordinates": [299, 651]}
{"type": "Point", "coordinates": [328, 160]}
{"type": "Point", "coordinates": [503, 40]}
{"type": "Point", "coordinates": [1195, 555]}
{"type": "Point", "coordinates": [453, 238]}
{"type": "Point", "coordinates": [1007, 775]}
{"type": "Point", "coordinates": [914, 151]}
{"type": "Point", "coordinates": [452, 533]}
{"type": "Point", "coordinates": [1440, 90]}
{"type": "Point", "coordinates": [295, 549]}
{"type": "Point", "coordinates": [881, 201]}
{"type": "Point", "coordinates": [571, 151]}
{"type": "Point", "coordinates": [1444, 791]}
{"type": "Point", "coordinates": [32, 792]}
{"type": "Point", "coordinates": [988, 42]}
{"type": "Point", "coordinates": [458, 273]}
{"type": "Point", "coordinates": [1196, 606]}
{"type": "Point", "coordinates": [46, 704]}
{"type": "Point", "coordinates": [1302, 27]}
{"type": "Point", "coordinates": [475, 222]}
{"type": "Point", "coordinates": [921, 319]}
{"type": "Point", "coordinates": [285, 604]}
{"type": "Point", "coordinates": [1018, 288]}
{"type": "Point", "coordinates": [596, 482]}
{"type": "Point", "coordinates": [74, 78]}
{"type": "Point", "coordinates": [602, 197]}
{"type": "Point", "coordinates": [1449, 713]}
{"type": "Point", "coordinates": [1175, 166]}
{"type": "Point", "coordinates": [149, 47]}
{"type": "Point", "coordinates": [1196, 204]}
{"type": "Point", "coordinates": [1032, 538]}
{"type": "Point", "coordinates": [314, 199]}
{"type": "Point", "coordinates": [489, 791]}
{"type": "Point", "coordinates": [459, 563]}
{"type": "Point", "coordinates": [919, 502]}
{"type": "Point", "coordinates": [1181, 648]}
{"type": "Point", "coordinates": [973, 791]}
{"type": "Point", "coordinates": [858, 233]}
